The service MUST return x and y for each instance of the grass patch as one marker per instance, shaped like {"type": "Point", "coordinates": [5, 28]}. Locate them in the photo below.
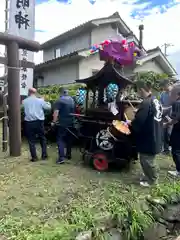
{"type": "Point", "coordinates": [45, 201]}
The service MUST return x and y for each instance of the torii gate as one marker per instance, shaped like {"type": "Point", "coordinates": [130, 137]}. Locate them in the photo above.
{"type": "Point", "coordinates": [13, 44]}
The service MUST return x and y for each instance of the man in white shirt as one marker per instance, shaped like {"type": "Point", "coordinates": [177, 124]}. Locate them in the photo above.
{"type": "Point", "coordinates": [34, 122]}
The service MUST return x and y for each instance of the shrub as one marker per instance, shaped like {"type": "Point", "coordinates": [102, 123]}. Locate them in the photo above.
{"type": "Point", "coordinates": [51, 93]}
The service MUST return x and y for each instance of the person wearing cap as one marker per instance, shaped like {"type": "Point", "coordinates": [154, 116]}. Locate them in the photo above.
{"type": "Point", "coordinates": [63, 114]}
{"type": "Point", "coordinates": [34, 122]}
{"type": "Point", "coordinates": [165, 101]}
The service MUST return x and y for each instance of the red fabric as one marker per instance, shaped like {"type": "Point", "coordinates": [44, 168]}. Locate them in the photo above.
{"type": "Point", "coordinates": [78, 110]}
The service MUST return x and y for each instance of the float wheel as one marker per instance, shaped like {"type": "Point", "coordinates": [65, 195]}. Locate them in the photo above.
{"type": "Point", "coordinates": [100, 161]}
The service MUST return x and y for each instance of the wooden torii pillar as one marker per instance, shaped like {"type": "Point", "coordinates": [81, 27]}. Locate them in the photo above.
{"type": "Point", "coordinates": [13, 44]}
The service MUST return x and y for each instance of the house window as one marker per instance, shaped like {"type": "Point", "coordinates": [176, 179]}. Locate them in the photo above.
{"type": "Point", "coordinates": [118, 31]}
{"type": "Point", "coordinates": [94, 71]}
{"type": "Point", "coordinates": [38, 82]}
{"type": "Point", "coordinates": [35, 83]}
{"type": "Point", "coordinates": [57, 53]}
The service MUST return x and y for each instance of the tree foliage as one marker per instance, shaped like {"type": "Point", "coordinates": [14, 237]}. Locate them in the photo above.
{"type": "Point", "coordinates": [154, 78]}
{"type": "Point", "coordinates": [51, 93]}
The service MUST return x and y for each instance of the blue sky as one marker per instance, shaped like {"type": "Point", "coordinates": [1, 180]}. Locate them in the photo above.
{"type": "Point", "coordinates": [153, 13]}
{"type": "Point", "coordinates": [137, 12]}
{"type": "Point", "coordinates": [161, 6]}
{"type": "Point", "coordinates": [161, 19]}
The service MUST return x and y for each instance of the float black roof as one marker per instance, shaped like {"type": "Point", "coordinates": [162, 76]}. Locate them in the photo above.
{"type": "Point", "coordinates": [108, 74]}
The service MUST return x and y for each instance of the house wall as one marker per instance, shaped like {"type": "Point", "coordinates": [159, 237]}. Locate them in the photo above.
{"type": "Point", "coordinates": [102, 33]}
{"type": "Point", "coordinates": [63, 74]}
{"type": "Point", "coordinates": [88, 65]}
{"type": "Point", "coordinates": [85, 67]}
{"type": "Point", "coordinates": [48, 54]}
{"type": "Point", "coordinates": [91, 63]}
{"type": "Point", "coordinates": [68, 73]}
{"type": "Point", "coordinates": [149, 66]}
{"type": "Point", "coordinates": [82, 41]}
{"type": "Point", "coordinates": [79, 42]}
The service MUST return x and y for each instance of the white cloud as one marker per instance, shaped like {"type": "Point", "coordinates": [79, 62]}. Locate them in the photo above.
{"type": "Point", "coordinates": [163, 28]}
{"type": "Point", "coordinates": [55, 18]}
{"type": "Point", "coordinates": [175, 60]}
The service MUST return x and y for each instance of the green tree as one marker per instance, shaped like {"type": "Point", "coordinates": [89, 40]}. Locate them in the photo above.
{"type": "Point", "coordinates": [154, 78]}
{"type": "Point", "coordinates": [51, 93]}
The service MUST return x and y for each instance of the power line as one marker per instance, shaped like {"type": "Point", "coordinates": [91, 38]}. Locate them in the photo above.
{"type": "Point", "coordinates": [166, 46]}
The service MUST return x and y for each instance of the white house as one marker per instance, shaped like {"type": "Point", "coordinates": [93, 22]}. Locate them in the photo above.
{"type": "Point", "coordinates": [64, 60]}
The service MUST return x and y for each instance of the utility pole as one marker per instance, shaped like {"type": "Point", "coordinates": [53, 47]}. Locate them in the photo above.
{"type": "Point", "coordinates": [166, 46]}
{"type": "Point", "coordinates": [5, 93]}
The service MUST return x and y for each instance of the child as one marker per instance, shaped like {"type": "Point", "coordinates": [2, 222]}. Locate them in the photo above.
{"type": "Point", "coordinates": [175, 135]}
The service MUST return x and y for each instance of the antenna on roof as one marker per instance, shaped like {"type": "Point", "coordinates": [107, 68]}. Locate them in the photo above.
{"type": "Point", "coordinates": [141, 28]}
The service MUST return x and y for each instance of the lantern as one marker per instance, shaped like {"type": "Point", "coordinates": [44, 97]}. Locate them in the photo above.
{"type": "Point", "coordinates": [111, 92]}
{"type": "Point", "coordinates": [81, 96]}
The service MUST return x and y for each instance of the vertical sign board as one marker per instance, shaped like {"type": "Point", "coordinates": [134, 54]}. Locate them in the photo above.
{"type": "Point", "coordinates": [22, 24]}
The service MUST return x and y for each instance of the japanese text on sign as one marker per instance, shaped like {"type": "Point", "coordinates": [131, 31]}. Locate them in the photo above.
{"type": "Point", "coordinates": [21, 18]}
{"type": "Point", "coordinates": [22, 3]}
{"type": "Point", "coordinates": [22, 23]}
{"type": "Point", "coordinates": [24, 70]}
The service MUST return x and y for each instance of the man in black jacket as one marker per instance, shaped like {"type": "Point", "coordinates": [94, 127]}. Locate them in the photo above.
{"type": "Point", "coordinates": [165, 101]}
{"type": "Point", "coordinates": [175, 122]}
{"type": "Point", "coordinates": [64, 107]}
{"type": "Point", "coordinates": [147, 128]}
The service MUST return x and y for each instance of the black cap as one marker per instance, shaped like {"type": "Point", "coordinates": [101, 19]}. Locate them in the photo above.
{"type": "Point", "coordinates": [64, 91]}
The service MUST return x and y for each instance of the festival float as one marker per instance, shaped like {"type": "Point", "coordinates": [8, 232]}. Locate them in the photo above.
{"type": "Point", "coordinates": [103, 127]}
